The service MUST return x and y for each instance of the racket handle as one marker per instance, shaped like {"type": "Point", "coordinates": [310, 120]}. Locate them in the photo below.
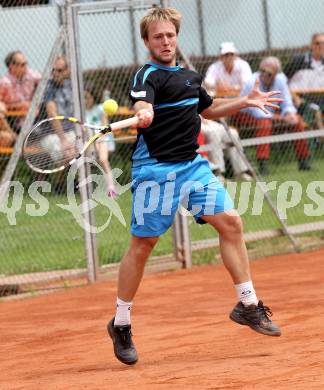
{"type": "Point", "coordinates": [124, 123]}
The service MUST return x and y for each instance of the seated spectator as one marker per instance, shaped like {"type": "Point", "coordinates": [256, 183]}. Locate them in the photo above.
{"type": "Point", "coordinates": [306, 72]}
{"type": "Point", "coordinates": [58, 100]}
{"type": "Point", "coordinates": [313, 59]}
{"type": "Point", "coordinates": [58, 95]}
{"type": "Point", "coordinates": [106, 144]}
{"type": "Point", "coordinates": [217, 137]}
{"type": "Point", "coordinates": [18, 86]}
{"type": "Point", "coordinates": [7, 135]}
{"type": "Point", "coordinates": [228, 74]}
{"type": "Point", "coordinates": [271, 78]}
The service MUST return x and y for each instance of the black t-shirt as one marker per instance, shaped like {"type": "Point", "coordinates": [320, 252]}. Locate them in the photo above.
{"type": "Point", "coordinates": [177, 98]}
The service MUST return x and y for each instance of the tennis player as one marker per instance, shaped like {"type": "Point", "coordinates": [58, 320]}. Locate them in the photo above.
{"type": "Point", "coordinates": [167, 171]}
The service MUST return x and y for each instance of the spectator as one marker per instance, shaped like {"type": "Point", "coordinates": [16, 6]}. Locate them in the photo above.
{"type": "Point", "coordinates": [229, 73]}
{"type": "Point", "coordinates": [95, 115]}
{"type": "Point", "coordinates": [217, 137]}
{"type": "Point", "coordinates": [18, 86]}
{"type": "Point", "coordinates": [7, 135]}
{"type": "Point", "coordinates": [313, 59]}
{"type": "Point", "coordinates": [306, 72]}
{"type": "Point", "coordinates": [58, 100]}
{"type": "Point", "coordinates": [271, 78]}
{"type": "Point", "coordinates": [58, 95]}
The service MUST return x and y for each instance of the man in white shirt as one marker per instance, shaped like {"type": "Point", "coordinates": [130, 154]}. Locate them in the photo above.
{"type": "Point", "coordinates": [271, 78]}
{"type": "Point", "coordinates": [229, 73]}
{"type": "Point", "coordinates": [312, 59]}
{"type": "Point", "coordinates": [306, 72]}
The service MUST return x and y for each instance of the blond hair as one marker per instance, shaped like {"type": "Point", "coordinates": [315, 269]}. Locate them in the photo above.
{"type": "Point", "coordinates": [158, 14]}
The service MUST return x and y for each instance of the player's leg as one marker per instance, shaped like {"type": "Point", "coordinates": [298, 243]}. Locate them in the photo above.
{"type": "Point", "coordinates": [232, 245]}
{"type": "Point", "coordinates": [132, 267]}
{"type": "Point", "coordinates": [131, 271]}
{"type": "Point", "coordinates": [249, 310]}
{"type": "Point", "coordinates": [218, 211]}
{"type": "Point", "coordinates": [148, 222]}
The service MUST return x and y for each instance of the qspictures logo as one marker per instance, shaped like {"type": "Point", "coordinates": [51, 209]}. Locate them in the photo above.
{"type": "Point", "coordinates": [14, 195]}
{"type": "Point", "coordinates": [150, 196]}
{"type": "Point", "coordinates": [98, 197]}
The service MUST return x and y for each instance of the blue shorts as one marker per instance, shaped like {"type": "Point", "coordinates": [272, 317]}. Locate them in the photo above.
{"type": "Point", "coordinates": [160, 188]}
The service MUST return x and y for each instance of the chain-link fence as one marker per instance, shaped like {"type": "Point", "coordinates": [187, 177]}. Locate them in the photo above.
{"type": "Point", "coordinates": [44, 240]}
{"type": "Point", "coordinates": [41, 243]}
{"type": "Point", "coordinates": [286, 157]}
{"type": "Point", "coordinates": [40, 234]}
{"type": "Point", "coordinates": [297, 221]}
{"type": "Point", "coordinates": [109, 76]}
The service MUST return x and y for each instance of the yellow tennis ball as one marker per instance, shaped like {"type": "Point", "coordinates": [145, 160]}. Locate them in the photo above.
{"type": "Point", "coordinates": [110, 106]}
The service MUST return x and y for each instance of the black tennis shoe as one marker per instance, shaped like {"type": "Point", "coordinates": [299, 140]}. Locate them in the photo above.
{"type": "Point", "coordinates": [124, 348]}
{"type": "Point", "coordinates": [256, 317]}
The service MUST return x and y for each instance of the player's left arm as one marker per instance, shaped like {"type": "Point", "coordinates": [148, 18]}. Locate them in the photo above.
{"type": "Point", "coordinates": [230, 106]}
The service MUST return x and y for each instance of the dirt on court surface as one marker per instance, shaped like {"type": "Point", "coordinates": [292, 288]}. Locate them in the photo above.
{"type": "Point", "coordinates": [181, 329]}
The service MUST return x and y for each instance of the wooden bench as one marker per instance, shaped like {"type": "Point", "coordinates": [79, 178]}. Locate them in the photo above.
{"type": "Point", "coordinates": [125, 135]}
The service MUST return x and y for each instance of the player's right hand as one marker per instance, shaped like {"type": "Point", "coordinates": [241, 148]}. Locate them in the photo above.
{"type": "Point", "coordinates": [145, 117]}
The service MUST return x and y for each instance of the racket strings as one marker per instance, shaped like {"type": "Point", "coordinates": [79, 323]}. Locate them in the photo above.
{"type": "Point", "coordinates": [52, 144]}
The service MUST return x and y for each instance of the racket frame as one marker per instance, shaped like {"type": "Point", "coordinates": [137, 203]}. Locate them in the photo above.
{"type": "Point", "coordinates": [102, 130]}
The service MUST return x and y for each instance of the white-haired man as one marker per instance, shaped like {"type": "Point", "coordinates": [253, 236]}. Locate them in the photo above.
{"type": "Point", "coordinates": [271, 78]}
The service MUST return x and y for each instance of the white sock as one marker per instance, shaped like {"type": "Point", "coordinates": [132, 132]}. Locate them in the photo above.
{"type": "Point", "coordinates": [123, 309]}
{"type": "Point", "coordinates": [246, 294]}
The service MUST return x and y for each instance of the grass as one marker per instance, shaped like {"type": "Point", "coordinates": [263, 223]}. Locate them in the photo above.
{"type": "Point", "coordinates": [56, 241]}
{"type": "Point", "coordinates": [266, 219]}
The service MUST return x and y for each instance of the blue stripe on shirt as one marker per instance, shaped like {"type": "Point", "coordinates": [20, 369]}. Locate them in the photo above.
{"type": "Point", "coordinates": [163, 67]}
{"type": "Point", "coordinates": [185, 102]}
{"type": "Point", "coordinates": [147, 72]}
{"type": "Point", "coordinates": [135, 77]}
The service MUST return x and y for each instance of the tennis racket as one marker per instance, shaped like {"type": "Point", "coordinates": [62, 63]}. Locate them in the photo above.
{"type": "Point", "coordinates": [56, 143]}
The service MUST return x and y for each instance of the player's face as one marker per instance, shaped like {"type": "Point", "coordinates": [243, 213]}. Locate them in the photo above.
{"type": "Point", "coordinates": [162, 43]}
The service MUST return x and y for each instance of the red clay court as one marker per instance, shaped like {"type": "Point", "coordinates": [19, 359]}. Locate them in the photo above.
{"type": "Point", "coordinates": [181, 329]}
